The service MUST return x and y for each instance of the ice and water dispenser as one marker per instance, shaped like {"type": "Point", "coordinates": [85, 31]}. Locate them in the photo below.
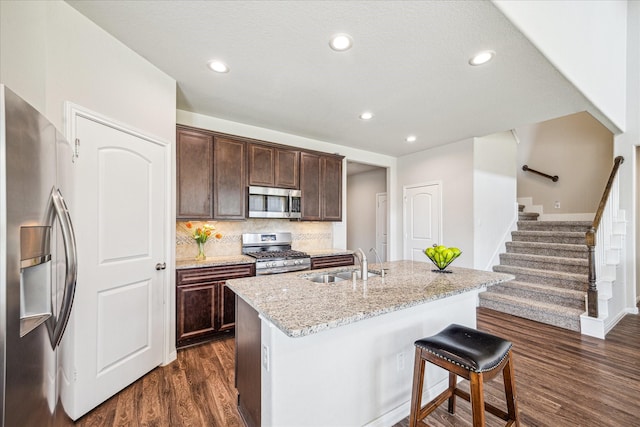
{"type": "Point", "coordinates": [35, 277]}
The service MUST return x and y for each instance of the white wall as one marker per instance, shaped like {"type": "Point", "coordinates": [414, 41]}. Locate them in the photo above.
{"type": "Point", "coordinates": [494, 196]}
{"type": "Point", "coordinates": [578, 149]}
{"type": "Point", "coordinates": [626, 145]}
{"type": "Point", "coordinates": [586, 41]}
{"type": "Point", "coordinates": [50, 53]}
{"type": "Point", "coordinates": [637, 222]}
{"type": "Point", "coordinates": [22, 62]}
{"type": "Point", "coordinates": [453, 165]}
{"type": "Point", "coordinates": [361, 156]}
{"type": "Point", "coordinates": [361, 208]}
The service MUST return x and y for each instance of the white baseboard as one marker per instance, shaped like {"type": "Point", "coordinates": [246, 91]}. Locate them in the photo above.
{"type": "Point", "coordinates": [599, 327]}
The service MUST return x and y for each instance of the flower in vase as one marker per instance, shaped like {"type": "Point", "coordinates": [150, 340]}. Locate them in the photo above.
{"type": "Point", "coordinates": [201, 235]}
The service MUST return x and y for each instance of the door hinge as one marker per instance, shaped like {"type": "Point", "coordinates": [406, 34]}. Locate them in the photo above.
{"type": "Point", "coordinates": [76, 148]}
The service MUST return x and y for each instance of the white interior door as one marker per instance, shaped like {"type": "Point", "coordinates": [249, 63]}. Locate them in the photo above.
{"type": "Point", "coordinates": [381, 225]}
{"type": "Point", "coordinates": [422, 215]}
{"type": "Point", "coordinates": [117, 325]}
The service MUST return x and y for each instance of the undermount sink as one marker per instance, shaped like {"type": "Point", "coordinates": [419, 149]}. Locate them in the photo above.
{"type": "Point", "coordinates": [348, 275]}
{"type": "Point", "coordinates": [338, 276]}
{"type": "Point", "coordinates": [325, 278]}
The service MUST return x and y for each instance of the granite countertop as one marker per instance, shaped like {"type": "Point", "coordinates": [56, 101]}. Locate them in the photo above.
{"type": "Point", "coordinates": [214, 261]}
{"type": "Point", "coordinates": [243, 259]}
{"type": "Point", "coordinates": [300, 307]}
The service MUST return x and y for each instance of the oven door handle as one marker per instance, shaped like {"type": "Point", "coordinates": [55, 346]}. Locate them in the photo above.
{"type": "Point", "coordinates": [284, 270]}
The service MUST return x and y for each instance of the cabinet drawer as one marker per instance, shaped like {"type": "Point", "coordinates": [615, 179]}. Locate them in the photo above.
{"type": "Point", "coordinates": [214, 274]}
{"type": "Point", "coordinates": [331, 261]}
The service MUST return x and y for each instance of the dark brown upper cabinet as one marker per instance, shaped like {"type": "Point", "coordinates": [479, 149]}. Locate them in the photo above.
{"type": "Point", "coordinates": [271, 166]}
{"type": "Point", "coordinates": [331, 199]}
{"type": "Point", "coordinates": [321, 186]}
{"type": "Point", "coordinates": [194, 167]}
{"type": "Point", "coordinates": [214, 170]}
{"type": "Point", "coordinates": [229, 178]}
{"type": "Point", "coordinates": [310, 186]}
{"type": "Point", "coordinates": [287, 168]}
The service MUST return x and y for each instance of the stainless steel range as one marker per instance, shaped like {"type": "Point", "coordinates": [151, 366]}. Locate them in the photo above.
{"type": "Point", "coordinates": [273, 253]}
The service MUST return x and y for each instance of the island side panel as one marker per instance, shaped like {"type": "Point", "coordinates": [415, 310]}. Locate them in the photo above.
{"type": "Point", "coordinates": [358, 374]}
{"type": "Point", "coordinates": [248, 363]}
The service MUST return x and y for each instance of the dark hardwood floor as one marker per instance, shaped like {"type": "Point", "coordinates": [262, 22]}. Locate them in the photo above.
{"type": "Point", "coordinates": [562, 379]}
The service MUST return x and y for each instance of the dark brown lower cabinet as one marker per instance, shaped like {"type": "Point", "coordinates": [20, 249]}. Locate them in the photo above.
{"type": "Point", "coordinates": [331, 261]}
{"type": "Point", "coordinates": [205, 305]}
{"type": "Point", "coordinates": [249, 364]}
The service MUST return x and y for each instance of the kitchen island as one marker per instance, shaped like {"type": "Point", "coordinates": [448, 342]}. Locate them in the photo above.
{"type": "Point", "coordinates": [341, 353]}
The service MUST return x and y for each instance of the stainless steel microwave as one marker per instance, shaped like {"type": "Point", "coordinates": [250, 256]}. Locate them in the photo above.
{"type": "Point", "coordinates": [267, 202]}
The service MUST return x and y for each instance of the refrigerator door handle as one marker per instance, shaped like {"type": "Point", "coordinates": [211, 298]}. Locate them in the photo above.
{"type": "Point", "coordinates": [59, 209]}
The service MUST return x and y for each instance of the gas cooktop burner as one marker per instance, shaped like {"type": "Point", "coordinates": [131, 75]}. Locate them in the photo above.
{"type": "Point", "coordinates": [277, 254]}
{"type": "Point", "coordinates": [273, 253]}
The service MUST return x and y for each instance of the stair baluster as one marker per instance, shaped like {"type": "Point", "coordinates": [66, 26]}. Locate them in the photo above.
{"type": "Point", "coordinates": [597, 262]}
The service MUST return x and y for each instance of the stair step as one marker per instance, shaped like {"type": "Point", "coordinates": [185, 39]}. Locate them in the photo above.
{"type": "Point", "coordinates": [546, 262]}
{"type": "Point", "coordinates": [539, 248]}
{"type": "Point", "coordinates": [577, 282]}
{"type": "Point", "coordinates": [542, 293]}
{"type": "Point", "coordinates": [527, 216]}
{"type": "Point", "coordinates": [521, 208]}
{"type": "Point", "coordinates": [551, 314]}
{"type": "Point", "coordinates": [569, 237]}
{"type": "Point", "coordinates": [582, 226]}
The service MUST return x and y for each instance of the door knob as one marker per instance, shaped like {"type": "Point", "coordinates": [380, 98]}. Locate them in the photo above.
{"type": "Point", "coordinates": [161, 266]}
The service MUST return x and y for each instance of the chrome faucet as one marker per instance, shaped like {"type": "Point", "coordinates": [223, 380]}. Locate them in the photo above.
{"type": "Point", "coordinates": [379, 260]}
{"type": "Point", "coordinates": [364, 267]}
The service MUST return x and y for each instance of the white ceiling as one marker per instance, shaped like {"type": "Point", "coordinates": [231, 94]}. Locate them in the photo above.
{"type": "Point", "coordinates": [408, 65]}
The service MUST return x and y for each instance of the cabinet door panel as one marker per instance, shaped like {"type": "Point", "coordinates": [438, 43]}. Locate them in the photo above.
{"type": "Point", "coordinates": [227, 307]}
{"type": "Point", "coordinates": [196, 311]}
{"type": "Point", "coordinates": [261, 165]}
{"type": "Point", "coordinates": [194, 156]}
{"type": "Point", "coordinates": [229, 184]}
{"type": "Point", "coordinates": [332, 188]}
{"type": "Point", "coordinates": [310, 186]}
{"type": "Point", "coordinates": [287, 169]}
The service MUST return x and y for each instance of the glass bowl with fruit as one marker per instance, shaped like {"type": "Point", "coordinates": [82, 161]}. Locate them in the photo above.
{"type": "Point", "coordinates": [441, 256]}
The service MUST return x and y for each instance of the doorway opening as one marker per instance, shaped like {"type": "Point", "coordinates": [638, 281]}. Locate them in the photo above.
{"type": "Point", "coordinates": [367, 209]}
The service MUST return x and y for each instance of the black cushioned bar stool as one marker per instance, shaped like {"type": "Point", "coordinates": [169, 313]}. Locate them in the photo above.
{"type": "Point", "coordinates": [473, 355]}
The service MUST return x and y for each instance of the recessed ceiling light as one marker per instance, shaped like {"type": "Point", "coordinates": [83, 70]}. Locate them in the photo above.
{"type": "Point", "coordinates": [341, 42]}
{"type": "Point", "coordinates": [411, 138]}
{"type": "Point", "coordinates": [482, 57]}
{"type": "Point", "coordinates": [367, 115]}
{"type": "Point", "coordinates": [218, 66]}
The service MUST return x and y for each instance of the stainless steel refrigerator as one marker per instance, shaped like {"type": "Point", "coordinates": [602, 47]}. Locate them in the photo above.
{"type": "Point", "coordinates": [37, 263]}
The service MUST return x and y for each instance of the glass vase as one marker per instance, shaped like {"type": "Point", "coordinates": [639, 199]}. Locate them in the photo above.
{"type": "Point", "coordinates": [201, 255]}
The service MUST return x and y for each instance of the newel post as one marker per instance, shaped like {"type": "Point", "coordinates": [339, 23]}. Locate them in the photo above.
{"type": "Point", "coordinates": [592, 292]}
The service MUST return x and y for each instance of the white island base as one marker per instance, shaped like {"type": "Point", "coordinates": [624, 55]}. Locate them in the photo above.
{"type": "Point", "coordinates": [358, 374]}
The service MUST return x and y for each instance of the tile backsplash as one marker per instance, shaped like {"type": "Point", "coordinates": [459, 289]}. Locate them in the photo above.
{"type": "Point", "coordinates": [306, 236]}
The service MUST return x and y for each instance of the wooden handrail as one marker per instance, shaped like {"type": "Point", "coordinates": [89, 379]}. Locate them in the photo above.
{"type": "Point", "coordinates": [605, 195]}
{"type": "Point", "coordinates": [553, 178]}
{"type": "Point", "coordinates": [592, 292]}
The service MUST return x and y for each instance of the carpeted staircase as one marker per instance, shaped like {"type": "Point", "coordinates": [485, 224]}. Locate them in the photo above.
{"type": "Point", "coordinates": [549, 260]}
